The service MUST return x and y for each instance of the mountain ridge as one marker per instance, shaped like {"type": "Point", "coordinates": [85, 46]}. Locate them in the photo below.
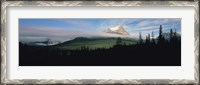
{"type": "Point", "coordinates": [93, 43]}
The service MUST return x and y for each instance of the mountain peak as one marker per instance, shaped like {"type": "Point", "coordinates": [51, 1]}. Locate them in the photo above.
{"type": "Point", "coordinates": [117, 30]}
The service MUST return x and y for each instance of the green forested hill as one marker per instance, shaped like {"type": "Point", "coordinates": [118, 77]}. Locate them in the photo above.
{"type": "Point", "coordinates": [92, 43]}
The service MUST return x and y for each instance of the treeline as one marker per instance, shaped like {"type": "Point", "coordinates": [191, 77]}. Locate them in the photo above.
{"type": "Point", "coordinates": [173, 39]}
{"type": "Point", "coordinates": [149, 52]}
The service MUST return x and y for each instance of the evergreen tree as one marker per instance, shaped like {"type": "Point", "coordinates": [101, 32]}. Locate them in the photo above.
{"type": "Point", "coordinates": [140, 38]}
{"type": "Point", "coordinates": [175, 34]}
{"type": "Point", "coordinates": [148, 39]}
{"type": "Point", "coordinates": [175, 37]}
{"type": "Point", "coordinates": [20, 44]}
{"type": "Point", "coordinates": [171, 36]}
{"type": "Point", "coordinates": [160, 31]}
{"type": "Point", "coordinates": [119, 41]}
{"type": "Point", "coordinates": [160, 37]}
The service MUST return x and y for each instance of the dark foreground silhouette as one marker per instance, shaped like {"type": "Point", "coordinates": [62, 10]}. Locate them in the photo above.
{"type": "Point", "coordinates": [119, 55]}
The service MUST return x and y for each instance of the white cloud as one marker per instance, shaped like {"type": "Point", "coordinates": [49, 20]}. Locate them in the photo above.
{"type": "Point", "coordinates": [41, 33]}
{"type": "Point", "coordinates": [79, 24]}
{"type": "Point", "coordinates": [148, 25]}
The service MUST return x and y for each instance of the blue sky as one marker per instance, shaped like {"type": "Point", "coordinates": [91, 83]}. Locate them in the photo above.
{"type": "Point", "coordinates": [67, 29]}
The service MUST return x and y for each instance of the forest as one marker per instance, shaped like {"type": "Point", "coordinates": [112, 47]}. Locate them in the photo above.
{"type": "Point", "coordinates": [152, 51]}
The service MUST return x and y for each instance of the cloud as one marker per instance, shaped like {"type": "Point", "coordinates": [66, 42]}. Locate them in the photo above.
{"type": "Point", "coordinates": [148, 25]}
{"type": "Point", "coordinates": [108, 23]}
{"type": "Point", "coordinates": [41, 33]}
{"type": "Point", "coordinates": [80, 24]}
{"type": "Point", "coordinates": [151, 22]}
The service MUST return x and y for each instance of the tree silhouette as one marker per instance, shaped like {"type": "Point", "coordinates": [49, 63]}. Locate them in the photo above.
{"type": "Point", "coordinates": [175, 36]}
{"type": "Point", "coordinates": [171, 35]}
{"type": "Point", "coordinates": [119, 41]}
{"type": "Point", "coordinates": [161, 39]}
{"type": "Point", "coordinates": [140, 38]}
{"type": "Point", "coordinates": [148, 40]}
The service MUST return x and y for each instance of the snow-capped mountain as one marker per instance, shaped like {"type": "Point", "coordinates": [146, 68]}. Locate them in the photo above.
{"type": "Point", "coordinates": [117, 30]}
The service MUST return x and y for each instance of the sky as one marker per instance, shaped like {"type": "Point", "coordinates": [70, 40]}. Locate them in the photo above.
{"type": "Point", "coordinates": [67, 29]}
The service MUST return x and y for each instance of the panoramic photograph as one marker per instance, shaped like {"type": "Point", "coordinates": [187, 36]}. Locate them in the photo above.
{"type": "Point", "coordinates": [100, 42]}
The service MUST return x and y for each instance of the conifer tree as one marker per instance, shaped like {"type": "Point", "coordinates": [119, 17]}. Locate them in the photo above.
{"type": "Point", "coordinates": [171, 36]}
{"type": "Point", "coordinates": [140, 38]}
{"type": "Point", "coordinates": [149, 38]}
{"type": "Point", "coordinates": [160, 37]}
{"type": "Point", "coordinates": [119, 41]}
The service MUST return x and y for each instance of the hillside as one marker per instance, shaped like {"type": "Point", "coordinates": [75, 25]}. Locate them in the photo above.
{"type": "Point", "coordinates": [92, 43]}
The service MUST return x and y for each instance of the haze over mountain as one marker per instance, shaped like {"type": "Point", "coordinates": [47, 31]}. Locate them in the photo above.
{"type": "Point", "coordinates": [93, 43]}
